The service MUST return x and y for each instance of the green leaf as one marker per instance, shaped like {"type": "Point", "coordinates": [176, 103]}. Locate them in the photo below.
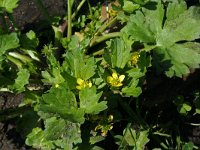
{"type": "Point", "coordinates": [21, 80]}
{"type": "Point", "coordinates": [63, 102]}
{"type": "Point", "coordinates": [7, 42]}
{"type": "Point", "coordinates": [181, 25]}
{"type": "Point", "coordinates": [141, 2]}
{"type": "Point", "coordinates": [144, 62]}
{"type": "Point", "coordinates": [146, 24]}
{"type": "Point", "coordinates": [185, 26]}
{"type": "Point", "coordinates": [130, 6]}
{"type": "Point", "coordinates": [197, 105]}
{"type": "Point", "coordinates": [54, 128]}
{"type": "Point", "coordinates": [79, 66]}
{"type": "Point", "coordinates": [96, 139]}
{"type": "Point", "coordinates": [197, 110]}
{"type": "Point", "coordinates": [57, 133]}
{"type": "Point", "coordinates": [118, 53]}
{"type": "Point", "coordinates": [89, 101]}
{"type": "Point", "coordinates": [54, 78]}
{"type": "Point", "coordinates": [178, 59]}
{"type": "Point", "coordinates": [184, 108]}
{"type": "Point", "coordinates": [175, 9]}
{"type": "Point", "coordinates": [50, 52]}
{"type": "Point", "coordinates": [37, 139]}
{"type": "Point", "coordinates": [135, 73]}
{"type": "Point", "coordinates": [181, 56]}
{"type": "Point", "coordinates": [188, 146]}
{"type": "Point", "coordinates": [138, 139]}
{"type": "Point", "coordinates": [29, 41]}
{"type": "Point", "coordinates": [132, 89]}
{"type": "Point", "coordinates": [8, 5]}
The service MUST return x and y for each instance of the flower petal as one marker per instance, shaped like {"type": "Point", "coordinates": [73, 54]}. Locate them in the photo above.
{"type": "Point", "coordinates": [114, 75]}
{"type": "Point", "coordinates": [118, 85]}
{"type": "Point", "coordinates": [90, 84]}
{"type": "Point", "coordinates": [79, 87]}
{"type": "Point", "coordinates": [80, 81]}
{"type": "Point", "coordinates": [121, 78]}
{"type": "Point", "coordinates": [109, 79]}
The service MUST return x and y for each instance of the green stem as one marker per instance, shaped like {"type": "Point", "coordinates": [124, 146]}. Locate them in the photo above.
{"type": "Point", "coordinates": [78, 8]}
{"type": "Point", "coordinates": [99, 39]}
{"type": "Point", "coordinates": [69, 27]}
{"type": "Point", "coordinates": [100, 52]}
{"type": "Point", "coordinates": [90, 8]}
{"type": "Point", "coordinates": [43, 9]}
{"type": "Point", "coordinates": [106, 25]}
{"type": "Point", "coordinates": [12, 112]}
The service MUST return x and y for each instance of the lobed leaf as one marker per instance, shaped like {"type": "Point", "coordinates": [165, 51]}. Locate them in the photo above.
{"type": "Point", "coordinates": [89, 101]}
{"type": "Point", "coordinates": [21, 80]}
{"type": "Point", "coordinates": [180, 26]}
{"type": "Point", "coordinates": [137, 139]}
{"type": "Point", "coordinates": [8, 5]}
{"type": "Point", "coordinates": [7, 42]}
{"type": "Point", "coordinates": [118, 53]}
{"type": "Point", "coordinates": [79, 66]}
{"type": "Point", "coordinates": [63, 102]}
{"type": "Point", "coordinates": [57, 134]}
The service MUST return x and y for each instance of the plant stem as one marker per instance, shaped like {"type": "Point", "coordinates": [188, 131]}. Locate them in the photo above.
{"type": "Point", "coordinates": [99, 39]}
{"type": "Point", "coordinates": [106, 25]}
{"type": "Point", "coordinates": [69, 27]}
{"type": "Point", "coordinates": [78, 8]}
{"type": "Point", "coordinates": [100, 52]}
{"type": "Point", "coordinates": [89, 6]}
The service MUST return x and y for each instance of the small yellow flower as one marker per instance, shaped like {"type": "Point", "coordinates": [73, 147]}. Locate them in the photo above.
{"type": "Point", "coordinates": [57, 85]}
{"type": "Point", "coordinates": [115, 80]}
{"type": "Point", "coordinates": [105, 125]}
{"type": "Point", "coordinates": [135, 57]}
{"type": "Point", "coordinates": [112, 13]}
{"type": "Point", "coordinates": [83, 84]}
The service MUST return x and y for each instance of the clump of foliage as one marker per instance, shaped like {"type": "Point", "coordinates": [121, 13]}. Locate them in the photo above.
{"type": "Point", "coordinates": [81, 85]}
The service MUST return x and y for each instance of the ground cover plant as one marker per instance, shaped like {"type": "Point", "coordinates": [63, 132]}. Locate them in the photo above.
{"type": "Point", "coordinates": [89, 81]}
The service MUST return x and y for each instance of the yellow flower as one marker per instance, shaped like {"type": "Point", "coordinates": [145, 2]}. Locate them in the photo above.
{"type": "Point", "coordinates": [134, 58]}
{"type": "Point", "coordinates": [115, 80]}
{"type": "Point", "coordinates": [105, 125]}
{"type": "Point", "coordinates": [83, 84]}
{"type": "Point", "coordinates": [57, 85]}
{"type": "Point", "coordinates": [112, 13]}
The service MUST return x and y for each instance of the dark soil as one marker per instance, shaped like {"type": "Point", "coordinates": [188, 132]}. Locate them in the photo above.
{"type": "Point", "coordinates": [29, 12]}
{"type": "Point", "coordinates": [25, 15]}
{"type": "Point", "coordinates": [9, 138]}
